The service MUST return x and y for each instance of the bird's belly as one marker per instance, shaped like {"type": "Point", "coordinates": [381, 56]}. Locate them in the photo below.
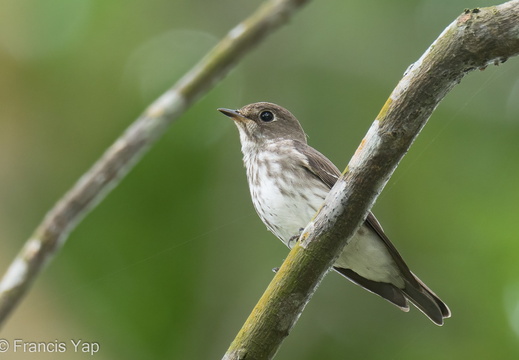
{"type": "Point", "coordinates": [286, 206]}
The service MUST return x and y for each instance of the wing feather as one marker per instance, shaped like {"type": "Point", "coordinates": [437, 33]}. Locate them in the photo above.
{"type": "Point", "coordinates": [414, 289]}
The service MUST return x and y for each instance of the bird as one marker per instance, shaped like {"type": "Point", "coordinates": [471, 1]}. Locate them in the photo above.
{"type": "Point", "coordinates": [288, 182]}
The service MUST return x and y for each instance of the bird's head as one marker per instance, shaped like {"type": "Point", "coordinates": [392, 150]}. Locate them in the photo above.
{"type": "Point", "coordinates": [265, 122]}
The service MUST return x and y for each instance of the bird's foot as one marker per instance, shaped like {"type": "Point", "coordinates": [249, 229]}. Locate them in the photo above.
{"type": "Point", "coordinates": [294, 238]}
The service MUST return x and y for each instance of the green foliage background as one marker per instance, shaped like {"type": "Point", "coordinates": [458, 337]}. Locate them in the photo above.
{"type": "Point", "coordinates": [172, 262]}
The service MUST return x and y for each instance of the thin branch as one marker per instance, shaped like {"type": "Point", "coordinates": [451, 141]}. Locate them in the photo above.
{"type": "Point", "coordinates": [474, 40]}
{"type": "Point", "coordinates": [94, 185]}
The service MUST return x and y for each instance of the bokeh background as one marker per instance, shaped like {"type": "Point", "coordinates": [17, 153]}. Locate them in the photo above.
{"type": "Point", "coordinates": [172, 262]}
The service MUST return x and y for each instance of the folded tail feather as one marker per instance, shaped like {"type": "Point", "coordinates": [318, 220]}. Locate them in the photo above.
{"type": "Point", "coordinates": [418, 294]}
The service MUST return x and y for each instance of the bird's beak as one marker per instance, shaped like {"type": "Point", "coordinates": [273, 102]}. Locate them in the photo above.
{"type": "Point", "coordinates": [233, 114]}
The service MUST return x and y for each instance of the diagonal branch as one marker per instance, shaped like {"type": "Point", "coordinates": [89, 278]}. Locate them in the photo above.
{"type": "Point", "coordinates": [117, 161]}
{"type": "Point", "coordinates": [474, 40]}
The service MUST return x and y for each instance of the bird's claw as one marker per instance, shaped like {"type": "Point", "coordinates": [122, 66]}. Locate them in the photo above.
{"type": "Point", "coordinates": [294, 238]}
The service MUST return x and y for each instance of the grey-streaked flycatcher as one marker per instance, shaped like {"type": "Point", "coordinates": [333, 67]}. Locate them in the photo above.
{"type": "Point", "coordinates": [289, 181]}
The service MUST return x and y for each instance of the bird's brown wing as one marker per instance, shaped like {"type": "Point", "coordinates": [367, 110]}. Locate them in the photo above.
{"type": "Point", "coordinates": [324, 169]}
{"type": "Point", "coordinates": [415, 290]}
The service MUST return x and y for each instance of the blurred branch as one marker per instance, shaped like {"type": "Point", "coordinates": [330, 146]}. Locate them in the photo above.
{"type": "Point", "coordinates": [117, 161]}
{"type": "Point", "coordinates": [477, 38]}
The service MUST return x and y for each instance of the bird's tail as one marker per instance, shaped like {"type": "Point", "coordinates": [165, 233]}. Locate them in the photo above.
{"type": "Point", "coordinates": [414, 291]}
{"type": "Point", "coordinates": [426, 301]}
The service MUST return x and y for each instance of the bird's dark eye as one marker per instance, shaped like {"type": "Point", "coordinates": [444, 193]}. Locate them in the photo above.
{"type": "Point", "coordinates": [266, 116]}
